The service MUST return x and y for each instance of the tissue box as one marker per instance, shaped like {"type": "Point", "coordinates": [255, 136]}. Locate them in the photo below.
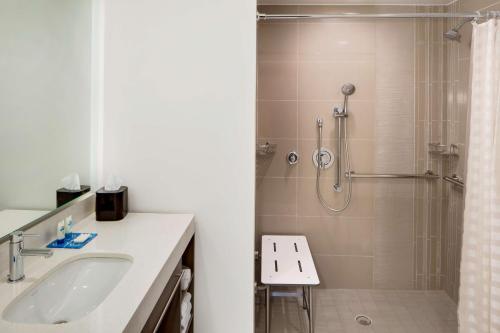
{"type": "Point", "coordinates": [64, 196]}
{"type": "Point", "coordinates": [111, 205]}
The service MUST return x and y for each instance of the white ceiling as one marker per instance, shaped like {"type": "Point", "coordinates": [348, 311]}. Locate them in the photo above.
{"type": "Point", "coordinates": [354, 2]}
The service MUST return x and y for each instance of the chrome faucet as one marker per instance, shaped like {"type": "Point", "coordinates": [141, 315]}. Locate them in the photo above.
{"type": "Point", "coordinates": [17, 252]}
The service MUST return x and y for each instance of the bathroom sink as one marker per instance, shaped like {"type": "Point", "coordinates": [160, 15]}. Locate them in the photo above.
{"type": "Point", "coordinates": [69, 291]}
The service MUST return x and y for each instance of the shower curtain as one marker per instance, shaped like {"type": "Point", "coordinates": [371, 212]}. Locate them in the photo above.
{"type": "Point", "coordinates": [479, 305]}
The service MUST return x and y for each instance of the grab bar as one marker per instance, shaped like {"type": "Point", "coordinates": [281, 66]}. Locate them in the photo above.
{"type": "Point", "coordinates": [427, 175]}
{"type": "Point", "coordinates": [455, 180]}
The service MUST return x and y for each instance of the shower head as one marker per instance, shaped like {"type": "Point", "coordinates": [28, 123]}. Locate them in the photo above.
{"type": "Point", "coordinates": [348, 89]}
{"type": "Point", "coordinates": [454, 34]}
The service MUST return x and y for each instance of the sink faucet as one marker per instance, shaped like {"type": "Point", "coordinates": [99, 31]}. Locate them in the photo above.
{"type": "Point", "coordinates": [17, 252]}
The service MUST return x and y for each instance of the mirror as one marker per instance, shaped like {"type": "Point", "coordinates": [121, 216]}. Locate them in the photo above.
{"type": "Point", "coordinates": [45, 100]}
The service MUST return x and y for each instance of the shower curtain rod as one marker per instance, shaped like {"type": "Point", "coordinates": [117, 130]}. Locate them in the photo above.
{"type": "Point", "coordinates": [476, 15]}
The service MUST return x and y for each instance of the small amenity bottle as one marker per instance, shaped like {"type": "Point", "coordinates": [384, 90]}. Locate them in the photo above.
{"type": "Point", "coordinates": [60, 232]}
{"type": "Point", "coordinates": [68, 226]}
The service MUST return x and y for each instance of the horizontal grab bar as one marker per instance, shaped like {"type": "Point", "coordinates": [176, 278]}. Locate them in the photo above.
{"type": "Point", "coordinates": [427, 175]}
{"type": "Point", "coordinates": [455, 180]}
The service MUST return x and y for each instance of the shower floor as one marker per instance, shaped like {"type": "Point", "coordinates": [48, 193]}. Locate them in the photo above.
{"type": "Point", "coordinates": [391, 312]}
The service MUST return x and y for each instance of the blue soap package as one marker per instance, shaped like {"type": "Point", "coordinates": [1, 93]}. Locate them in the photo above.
{"type": "Point", "coordinates": [69, 243]}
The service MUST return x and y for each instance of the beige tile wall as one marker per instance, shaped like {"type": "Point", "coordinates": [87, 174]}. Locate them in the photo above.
{"type": "Point", "coordinates": [301, 68]}
{"type": "Point", "coordinates": [412, 90]}
{"type": "Point", "coordinates": [442, 88]}
{"type": "Point", "coordinates": [455, 126]}
{"type": "Point", "coordinates": [430, 86]}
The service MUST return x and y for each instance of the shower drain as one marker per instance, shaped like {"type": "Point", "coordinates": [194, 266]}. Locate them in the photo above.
{"type": "Point", "coordinates": [363, 320]}
{"type": "Point", "coordinates": [57, 322]}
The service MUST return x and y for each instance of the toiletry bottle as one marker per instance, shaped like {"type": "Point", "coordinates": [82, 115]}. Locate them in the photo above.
{"type": "Point", "coordinates": [68, 226]}
{"type": "Point", "coordinates": [60, 232]}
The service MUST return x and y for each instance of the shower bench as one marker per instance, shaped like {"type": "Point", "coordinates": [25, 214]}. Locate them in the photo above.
{"type": "Point", "coordinates": [287, 261]}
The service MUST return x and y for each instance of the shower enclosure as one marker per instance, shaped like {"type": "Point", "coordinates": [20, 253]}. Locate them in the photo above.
{"type": "Point", "coordinates": [388, 253]}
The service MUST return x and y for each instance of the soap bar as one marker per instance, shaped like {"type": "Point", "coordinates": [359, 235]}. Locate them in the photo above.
{"type": "Point", "coordinates": [81, 238]}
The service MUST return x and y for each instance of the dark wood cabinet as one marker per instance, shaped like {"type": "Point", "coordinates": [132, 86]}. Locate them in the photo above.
{"type": "Point", "coordinates": [166, 315]}
{"type": "Point", "coordinates": [188, 261]}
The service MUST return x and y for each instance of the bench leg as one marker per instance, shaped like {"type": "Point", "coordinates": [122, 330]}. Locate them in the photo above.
{"type": "Point", "coordinates": [310, 301]}
{"type": "Point", "coordinates": [304, 295]}
{"type": "Point", "coordinates": [268, 309]}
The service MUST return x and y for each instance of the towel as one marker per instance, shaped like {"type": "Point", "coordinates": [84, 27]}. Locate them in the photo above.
{"type": "Point", "coordinates": [186, 303]}
{"type": "Point", "coordinates": [186, 310]}
{"type": "Point", "coordinates": [186, 278]}
{"type": "Point", "coordinates": [185, 300]}
{"type": "Point", "coordinates": [185, 321]}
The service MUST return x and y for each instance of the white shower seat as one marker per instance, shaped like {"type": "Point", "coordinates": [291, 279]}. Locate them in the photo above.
{"type": "Point", "coordinates": [287, 261]}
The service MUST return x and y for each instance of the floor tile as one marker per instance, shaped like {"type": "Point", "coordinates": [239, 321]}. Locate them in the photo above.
{"type": "Point", "coordinates": [391, 311]}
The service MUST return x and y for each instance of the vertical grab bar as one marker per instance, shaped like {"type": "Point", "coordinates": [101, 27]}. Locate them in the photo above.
{"type": "Point", "coordinates": [338, 186]}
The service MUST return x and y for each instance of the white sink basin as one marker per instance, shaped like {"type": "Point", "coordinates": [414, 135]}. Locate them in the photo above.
{"type": "Point", "coordinates": [69, 291]}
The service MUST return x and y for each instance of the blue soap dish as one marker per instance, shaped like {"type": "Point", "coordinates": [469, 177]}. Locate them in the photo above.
{"type": "Point", "coordinates": [68, 242]}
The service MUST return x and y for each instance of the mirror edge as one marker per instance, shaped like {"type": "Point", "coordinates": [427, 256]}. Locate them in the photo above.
{"type": "Point", "coordinates": [49, 215]}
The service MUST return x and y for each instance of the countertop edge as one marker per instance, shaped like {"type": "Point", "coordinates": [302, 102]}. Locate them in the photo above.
{"type": "Point", "coordinates": [142, 313]}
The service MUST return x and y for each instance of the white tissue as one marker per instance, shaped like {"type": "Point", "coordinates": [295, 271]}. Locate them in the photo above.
{"type": "Point", "coordinates": [113, 184]}
{"type": "Point", "coordinates": [71, 182]}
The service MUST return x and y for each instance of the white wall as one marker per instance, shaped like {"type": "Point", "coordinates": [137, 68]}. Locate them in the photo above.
{"type": "Point", "coordinates": [179, 127]}
{"type": "Point", "coordinates": [44, 98]}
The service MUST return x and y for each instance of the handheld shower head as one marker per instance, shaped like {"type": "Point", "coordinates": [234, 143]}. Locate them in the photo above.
{"type": "Point", "coordinates": [348, 89]}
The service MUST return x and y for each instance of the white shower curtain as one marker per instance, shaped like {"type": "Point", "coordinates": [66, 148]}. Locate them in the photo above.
{"type": "Point", "coordinates": [479, 305]}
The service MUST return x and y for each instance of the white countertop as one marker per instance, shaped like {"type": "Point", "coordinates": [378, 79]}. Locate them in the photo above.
{"type": "Point", "coordinates": [154, 241]}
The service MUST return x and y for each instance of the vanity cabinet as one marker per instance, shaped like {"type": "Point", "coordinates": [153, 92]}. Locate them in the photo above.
{"type": "Point", "coordinates": [166, 315]}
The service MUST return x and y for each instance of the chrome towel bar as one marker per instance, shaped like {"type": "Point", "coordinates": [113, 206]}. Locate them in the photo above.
{"type": "Point", "coordinates": [455, 180]}
{"type": "Point", "coordinates": [427, 175]}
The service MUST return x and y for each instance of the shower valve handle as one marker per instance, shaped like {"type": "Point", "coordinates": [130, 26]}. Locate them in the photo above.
{"type": "Point", "coordinates": [292, 158]}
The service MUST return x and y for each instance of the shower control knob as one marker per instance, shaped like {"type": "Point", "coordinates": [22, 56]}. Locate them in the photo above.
{"type": "Point", "coordinates": [292, 158]}
{"type": "Point", "coordinates": [325, 158]}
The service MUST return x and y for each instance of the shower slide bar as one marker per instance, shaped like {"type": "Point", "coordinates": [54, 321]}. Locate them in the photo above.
{"type": "Point", "coordinates": [475, 15]}
{"type": "Point", "coordinates": [427, 175]}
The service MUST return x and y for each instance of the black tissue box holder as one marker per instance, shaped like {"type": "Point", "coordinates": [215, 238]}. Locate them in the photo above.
{"type": "Point", "coordinates": [64, 196]}
{"type": "Point", "coordinates": [111, 205]}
